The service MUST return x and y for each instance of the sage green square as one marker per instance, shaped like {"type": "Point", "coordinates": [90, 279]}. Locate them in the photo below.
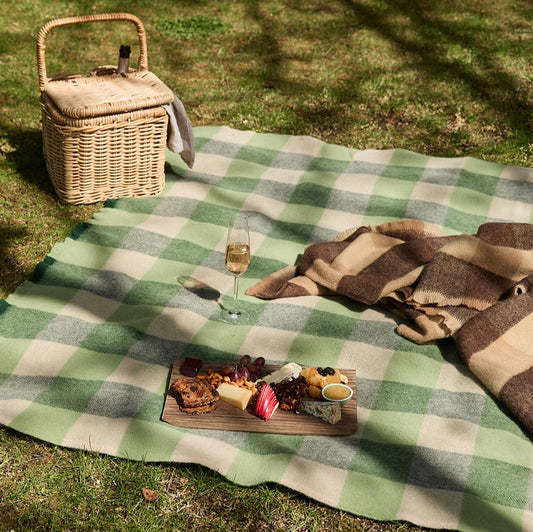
{"type": "Point", "coordinates": [398, 428]}
{"type": "Point", "coordinates": [411, 368]}
{"type": "Point", "coordinates": [150, 441]}
{"type": "Point", "coordinates": [393, 188]}
{"type": "Point", "coordinates": [46, 422]}
{"type": "Point", "coordinates": [249, 469]}
{"type": "Point", "coordinates": [216, 334]}
{"type": "Point", "coordinates": [479, 514]}
{"type": "Point", "coordinates": [301, 214]}
{"type": "Point", "coordinates": [471, 201]}
{"type": "Point", "coordinates": [12, 350]}
{"type": "Point", "coordinates": [42, 297]}
{"type": "Point", "coordinates": [359, 495]}
{"type": "Point", "coordinates": [401, 157]}
{"type": "Point", "coordinates": [90, 365]}
{"type": "Point", "coordinates": [313, 350]}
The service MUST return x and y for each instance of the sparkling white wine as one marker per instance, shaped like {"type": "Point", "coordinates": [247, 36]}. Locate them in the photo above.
{"type": "Point", "coordinates": [237, 258]}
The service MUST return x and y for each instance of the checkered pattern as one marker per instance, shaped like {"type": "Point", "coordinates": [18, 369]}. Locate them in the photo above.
{"type": "Point", "coordinates": [86, 347]}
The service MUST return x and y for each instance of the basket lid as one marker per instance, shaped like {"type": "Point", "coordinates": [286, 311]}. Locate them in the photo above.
{"type": "Point", "coordinates": [91, 96]}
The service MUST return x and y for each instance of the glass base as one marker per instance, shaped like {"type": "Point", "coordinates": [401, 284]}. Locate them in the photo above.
{"type": "Point", "coordinates": [234, 316]}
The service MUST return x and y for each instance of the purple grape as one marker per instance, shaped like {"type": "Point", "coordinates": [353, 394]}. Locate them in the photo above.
{"type": "Point", "coordinates": [234, 376]}
{"type": "Point", "coordinates": [245, 373]}
{"type": "Point", "coordinates": [253, 377]}
{"type": "Point", "coordinates": [245, 360]}
{"type": "Point", "coordinates": [259, 361]}
{"type": "Point", "coordinates": [227, 369]}
{"type": "Point", "coordinates": [254, 368]}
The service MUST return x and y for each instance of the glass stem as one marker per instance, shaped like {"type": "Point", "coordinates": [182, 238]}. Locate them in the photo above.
{"type": "Point", "coordinates": [235, 290]}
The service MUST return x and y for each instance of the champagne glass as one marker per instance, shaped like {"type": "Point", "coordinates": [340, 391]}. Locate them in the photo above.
{"type": "Point", "coordinates": [237, 262]}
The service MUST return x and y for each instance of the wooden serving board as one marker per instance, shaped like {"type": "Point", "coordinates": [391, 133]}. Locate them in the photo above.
{"type": "Point", "coordinates": [228, 417]}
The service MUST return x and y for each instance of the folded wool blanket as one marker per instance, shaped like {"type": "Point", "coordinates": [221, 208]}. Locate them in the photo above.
{"type": "Point", "coordinates": [476, 289]}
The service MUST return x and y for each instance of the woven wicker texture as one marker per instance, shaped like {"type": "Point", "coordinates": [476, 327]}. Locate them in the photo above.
{"type": "Point", "coordinates": [82, 97]}
{"type": "Point", "coordinates": [104, 136]}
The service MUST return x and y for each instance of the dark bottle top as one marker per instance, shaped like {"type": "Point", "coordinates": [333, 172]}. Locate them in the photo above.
{"type": "Point", "coordinates": [123, 59]}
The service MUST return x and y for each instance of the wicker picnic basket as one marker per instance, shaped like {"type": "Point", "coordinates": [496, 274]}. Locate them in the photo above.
{"type": "Point", "coordinates": [104, 134]}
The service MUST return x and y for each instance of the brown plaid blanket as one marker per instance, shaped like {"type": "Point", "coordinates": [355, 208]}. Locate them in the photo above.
{"type": "Point", "coordinates": [472, 288]}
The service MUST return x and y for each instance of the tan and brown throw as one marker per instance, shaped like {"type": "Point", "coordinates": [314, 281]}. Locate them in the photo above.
{"type": "Point", "coordinates": [475, 289]}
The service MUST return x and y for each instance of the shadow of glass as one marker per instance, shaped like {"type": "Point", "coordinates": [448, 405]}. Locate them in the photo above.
{"type": "Point", "coordinates": [199, 288]}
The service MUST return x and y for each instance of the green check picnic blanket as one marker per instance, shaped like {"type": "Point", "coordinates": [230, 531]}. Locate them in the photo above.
{"type": "Point", "coordinates": [86, 347]}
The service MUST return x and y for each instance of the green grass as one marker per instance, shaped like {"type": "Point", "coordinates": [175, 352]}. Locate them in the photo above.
{"type": "Point", "coordinates": [441, 78]}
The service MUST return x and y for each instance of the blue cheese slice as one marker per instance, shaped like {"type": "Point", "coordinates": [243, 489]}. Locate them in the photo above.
{"type": "Point", "coordinates": [330, 412]}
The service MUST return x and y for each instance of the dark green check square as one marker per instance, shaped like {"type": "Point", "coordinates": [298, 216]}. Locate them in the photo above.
{"type": "Point", "coordinates": [240, 184]}
{"type": "Point", "coordinates": [146, 206]}
{"type": "Point", "coordinates": [326, 325]}
{"type": "Point", "coordinates": [102, 236]}
{"type": "Point", "coordinates": [151, 292]}
{"type": "Point", "coordinates": [311, 194]}
{"type": "Point", "coordinates": [112, 338]}
{"type": "Point", "coordinates": [499, 482]}
{"type": "Point", "coordinates": [480, 182]}
{"type": "Point", "coordinates": [212, 213]}
{"type": "Point", "coordinates": [55, 273]}
{"type": "Point", "coordinates": [70, 394]}
{"type": "Point", "coordinates": [293, 232]}
{"type": "Point", "coordinates": [185, 251]}
{"type": "Point", "coordinates": [22, 322]}
{"type": "Point", "coordinates": [397, 396]}
{"type": "Point", "coordinates": [324, 164]}
{"type": "Point", "coordinates": [386, 207]}
{"type": "Point", "coordinates": [403, 173]}
{"type": "Point", "coordinates": [256, 155]}
{"type": "Point", "coordinates": [392, 462]}
{"type": "Point", "coordinates": [463, 222]}
{"type": "Point", "coordinates": [492, 417]}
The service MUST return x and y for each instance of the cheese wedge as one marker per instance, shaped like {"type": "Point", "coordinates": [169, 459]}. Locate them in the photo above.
{"type": "Point", "coordinates": [234, 395]}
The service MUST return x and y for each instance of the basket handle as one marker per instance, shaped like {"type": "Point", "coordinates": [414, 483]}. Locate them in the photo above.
{"type": "Point", "coordinates": [46, 28]}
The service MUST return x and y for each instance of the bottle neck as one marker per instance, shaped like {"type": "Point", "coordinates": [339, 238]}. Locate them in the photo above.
{"type": "Point", "coordinates": [123, 59]}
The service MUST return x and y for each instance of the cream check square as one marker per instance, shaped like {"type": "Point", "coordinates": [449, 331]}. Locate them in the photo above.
{"type": "Point", "coordinates": [517, 173]}
{"type": "Point", "coordinates": [176, 324]}
{"type": "Point", "coordinates": [448, 434]}
{"type": "Point", "coordinates": [11, 408]}
{"type": "Point", "coordinates": [445, 506]}
{"type": "Point", "coordinates": [131, 263]}
{"type": "Point", "coordinates": [163, 225]}
{"type": "Point", "coordinates": [374, 156]}
{"type": "Point", "coordinates": [268, 343]}
{"type": "Point", "coordinates": [136, 373]}
{"type": "Point", "coordinates": [282, 175]}
{"type": "Point", "coordinates": [302, 475]}
{"type": "Point", "coordinates": [261, 204]}
{"type": "Point", "coordinates": [97, 433]}
{"type": "Point", "coordinates": [370, 361]}
{"type": "Point", "coordinates": [304, 145]}
{"type": "Point", "coordinates": [234, 136]}
{"type": "Point", "coordinates": [357, 183]}
{"type": "Point", "coordinates": [89, 307]}
{"type": "Point", "coordinates": [339, 221]}
{"type": "Point", "coordinates": [445, 162]}
{"type": "Point", "coordinates": [201, 450]}
{"type": "Point", "coordinates": [458, 379]}
{"type": "Point", "coordinates": [212, 164]}
{"type": "Point", "coordinates": [188, 189]}
{"type": "Point", "coordinates": [44, 358]}
{"type": "Point", "coordinates": [504, 209]}
{"type": "Point", "coordinates": [433, 192]}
